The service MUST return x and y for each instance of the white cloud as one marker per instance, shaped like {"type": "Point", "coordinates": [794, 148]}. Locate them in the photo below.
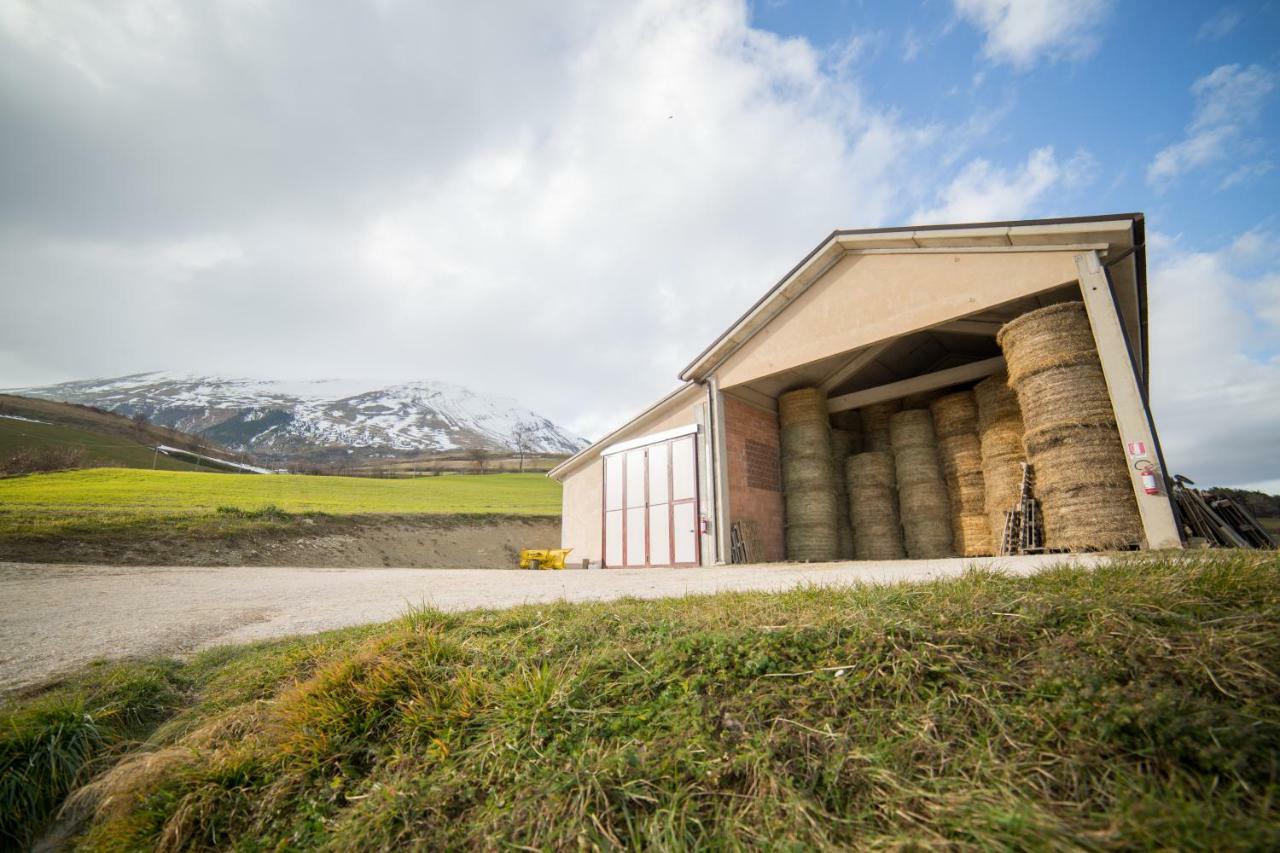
{"type": "Point", "coordinates": [983, 191]}
{"type": "Point", "coordinates": [1227, 101]}
{"type": "Point", "coordinates": [1215, 351]}
{"type": "Point", "coordinates": [1022, 32]}
{"type": "Point", "coordinates": [1220, 25]}
{"type": "Point", "coordinates": [615, 181]}
{"type": "Point", "coordinates": [912, 44]}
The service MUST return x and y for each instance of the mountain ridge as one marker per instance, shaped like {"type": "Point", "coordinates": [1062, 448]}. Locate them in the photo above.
{"type": "Point", "coordinates": [322, 421]}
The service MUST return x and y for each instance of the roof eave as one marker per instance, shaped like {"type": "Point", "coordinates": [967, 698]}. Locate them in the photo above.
{"type": "Point", "coordinates": [902, 237]}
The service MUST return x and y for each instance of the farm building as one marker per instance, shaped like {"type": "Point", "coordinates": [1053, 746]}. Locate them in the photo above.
{"type": "Point", "coordinates": [880, 401]}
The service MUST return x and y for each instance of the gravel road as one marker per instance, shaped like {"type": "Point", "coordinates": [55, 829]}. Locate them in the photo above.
{"type": "Point", "coordinates": [55, 617]}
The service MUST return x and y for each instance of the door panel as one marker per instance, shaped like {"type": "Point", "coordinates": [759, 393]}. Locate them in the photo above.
{"type": "Point", "coordinates": [684, 524]}
{"type": "Point", "coordinates": [684, 469]}
{"type": "Point", "coordinates": [635, 536]}
{"type": "Point", "coordinates": [613, 538]}
{"type": "Point", "coordinates": [660, 535]}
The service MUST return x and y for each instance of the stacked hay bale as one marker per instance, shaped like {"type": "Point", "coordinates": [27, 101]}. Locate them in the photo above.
{"type": "Point", "coordinates": [808, 476]}
{"type": "Point", "coordinates": [955, 422]}
{"type": "Point", "coordinates": [1082, 478]}
{"type": "Point", "coordinates": [875, 425]}
{"type": "Point", "coordinates": [923, 501]}
{"type": "Point", "coordinates": [841, 448]}
{"type": "Point", "coordinates": [873, 507]}
{"type": "Point", "coordinates": [1000, 433]}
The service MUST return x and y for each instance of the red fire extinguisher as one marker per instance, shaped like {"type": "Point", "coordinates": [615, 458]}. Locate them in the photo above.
{"type": "Point", "coordinates": [1150, 484]}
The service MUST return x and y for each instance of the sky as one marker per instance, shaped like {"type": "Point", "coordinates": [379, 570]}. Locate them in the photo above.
{"type": "Point", "coordinates": [564, 202]}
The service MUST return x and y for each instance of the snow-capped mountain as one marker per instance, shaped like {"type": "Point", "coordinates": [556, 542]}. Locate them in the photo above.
{"type": "Point", "coordinates": [321, 420]}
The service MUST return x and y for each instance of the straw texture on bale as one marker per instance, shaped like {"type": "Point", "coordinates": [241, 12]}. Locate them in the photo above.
{"type": "Point", "coordinates": [961, 457]}
{"type": "Point", "coordinates": [911, 428]}
{"type": "Point", "coordinates": [851, 422]}
{"type": "Point", "coordinates": [955, 414]}
{"type": "Point", "coordinates": [812, 439]}
{"type": "Point", "coordinates": [801, 406]}
{"type": "Point", "coordinates": [873, 507]}
{"type": "Point", "coordinates": [809, 476]}
{"type": "Point", "coordinates": [1082, 478]}
{"type": "Point", "coordinates": [875, 425]}
{"type": "Point", "coordinates": [1000, 438]}
{"type": "Point", "coordinates": [923, 501]}
{"type": "Point", "coordinates": [841, 444]}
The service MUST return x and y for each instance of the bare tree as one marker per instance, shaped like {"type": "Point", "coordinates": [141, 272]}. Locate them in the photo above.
{"type": "Point", "coordinates": [523, 436]}
{"type": "Point", "coordinates": [480, 456]}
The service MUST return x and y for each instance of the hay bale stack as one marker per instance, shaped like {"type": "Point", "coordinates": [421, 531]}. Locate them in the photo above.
{"type": "Point", "coordinates": [875, 425]}
{"type": "Point", "coordinates": [1082, 478]}
{"type": "Point", "coordinates": [923, 501]}
{"type": "Point", "coordinates": [873, 507]}
{"type": "Point", "coordinates": [1000, 436]}
{"type": "Point", "coordinates": [808, 476]}
{"type": "Point", "coordinates": [841, 449]}
{"type": "Point", "coordinates": [919, 400]}
{"type": "Point", "coordinates": [955, 420]}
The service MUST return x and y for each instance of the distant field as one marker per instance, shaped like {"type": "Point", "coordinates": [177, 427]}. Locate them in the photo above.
{"type": "Point", "coordinates": [100, 449]}
{"type": "Point", "coordinates": [122, 494]}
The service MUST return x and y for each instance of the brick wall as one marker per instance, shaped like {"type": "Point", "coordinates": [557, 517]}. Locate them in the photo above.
{"type": "Point", "coordinates": [755, 474]}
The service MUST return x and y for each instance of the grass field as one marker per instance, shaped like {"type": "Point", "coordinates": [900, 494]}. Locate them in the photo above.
{"type": "Point", "coordinates": [77, 501]}
{"type": "Point", "coordinates": [100, 448]}
{"type": "Point", "coordinates": [1136, 706]}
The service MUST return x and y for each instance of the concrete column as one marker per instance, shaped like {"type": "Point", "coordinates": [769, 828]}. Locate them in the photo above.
{"type": "Point", "coordinates": [1137, 430]}
{"type": "Point", "coordinates": [719, 471]}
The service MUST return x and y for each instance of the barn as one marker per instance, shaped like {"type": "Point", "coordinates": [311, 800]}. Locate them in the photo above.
{"type": "Point", "coordinates": [856, 408]}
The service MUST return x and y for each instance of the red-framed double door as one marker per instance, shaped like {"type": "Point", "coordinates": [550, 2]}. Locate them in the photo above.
{"type": "Point", "coordinates": [651, 504]}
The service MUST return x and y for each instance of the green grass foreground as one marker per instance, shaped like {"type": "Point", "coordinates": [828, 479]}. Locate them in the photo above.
{"type": "Point", "coordinates": [79, 502]}
{"type": "Point", "coordinates": [1134, 706]}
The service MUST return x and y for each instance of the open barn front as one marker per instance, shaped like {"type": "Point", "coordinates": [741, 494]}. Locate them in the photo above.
{"type": "Point", "coordinates": [992, 433]}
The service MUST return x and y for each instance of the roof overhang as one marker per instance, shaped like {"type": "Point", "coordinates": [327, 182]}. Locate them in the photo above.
{"type": "Point", "coordinates": [1113, 236]}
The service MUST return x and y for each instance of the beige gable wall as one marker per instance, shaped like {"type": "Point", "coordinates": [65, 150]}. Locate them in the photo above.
{"type": "Point", "coordinates": [867, 298]}
{"type": "Point", "coordinates": [582, 519]}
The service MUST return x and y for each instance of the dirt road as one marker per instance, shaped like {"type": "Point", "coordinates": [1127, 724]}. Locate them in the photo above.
{"type": "Point", "coordinates": [57, 617]}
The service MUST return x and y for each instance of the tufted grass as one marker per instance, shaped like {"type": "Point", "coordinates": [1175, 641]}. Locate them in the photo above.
{"type": "Point", "coordinates": [1132, 706]}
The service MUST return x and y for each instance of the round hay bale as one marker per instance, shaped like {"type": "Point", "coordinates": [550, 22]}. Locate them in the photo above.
{"type": "Point", "coordinates": [802, 406]}
{"type": "Point", "coordinates": [811, 543]}
{"type": "Point", "coordinates": [972, 535]}
{"type": "Point", "coordinates": [1071, 394]}
{"type": "Point", "coordinates": [955, 414]}
{"type": "Point", "coordinates": [996, 401]}
{"type": "Point", "coordinates": [873, 507]}
{"type": "Point", "coordinates": [1082, 478]}
{"type": "Point", "coordinates": [879, 542]}
{"type": "Point", "coordinates": [960, 454]}
{"type": "Point", "coordinates": [919, 464]}
{"type": "Point", "coordinates": [923, 503]}
{"type": "Point", "coordinates": [1046, 338]}
{"type": "Point", "coordinates": [805, 440]}
{"type": "Point", "coordinates": [875, 425]}
{"type": "Point", "coordinates": [1077, 458]}
{"type": "Point", "coordinates": [968, 493]}
{"type": "Point", "coordinates": [841, 442]}
{"type": "Point", "coordinates": [811, 506]}
{"type": "Point", "coordinates": [803, 473]}
{"type": "Point", "coordinates": [864, 470]}
{"type": "Point", "coordinates": [911, 428]}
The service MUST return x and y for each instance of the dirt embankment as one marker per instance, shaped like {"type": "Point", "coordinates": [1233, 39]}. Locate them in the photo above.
{"type": "Point", "coordinates": [424, 541]}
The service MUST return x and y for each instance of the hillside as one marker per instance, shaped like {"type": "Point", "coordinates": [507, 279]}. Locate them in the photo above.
{"type": "Point", "coordinates": [106, 439]}
{"type": "Point", "coordinates": [1136, 706]}
{"type": "Point", "coordinates": [325, 422]}
{"type": "Point", "coordinates": [130, 517]}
